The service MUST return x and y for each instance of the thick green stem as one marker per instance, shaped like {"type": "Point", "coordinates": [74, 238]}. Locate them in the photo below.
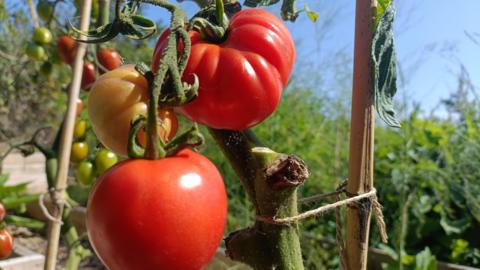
{"type": "Point", "coordinates": [76, 252]}
{"type": "Point", "coordinates": [153, 150]}
{"type": "Point", "coordinates": [220, 11]}
{"type": "Point", "coordinates": [103, 16]}
{"type": "Point", "coordinates": [270, 179]}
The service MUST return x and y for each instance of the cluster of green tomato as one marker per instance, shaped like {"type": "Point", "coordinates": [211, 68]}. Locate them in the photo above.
{"type": "Point", "coordinates": [87, 169]}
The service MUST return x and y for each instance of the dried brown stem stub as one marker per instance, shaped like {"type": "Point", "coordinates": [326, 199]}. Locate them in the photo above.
{"type": "Point", "coordinates": [286, 171]}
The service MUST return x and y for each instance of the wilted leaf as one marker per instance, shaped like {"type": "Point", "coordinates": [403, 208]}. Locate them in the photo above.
{"type": "Point", "coordinates": [385, 68]}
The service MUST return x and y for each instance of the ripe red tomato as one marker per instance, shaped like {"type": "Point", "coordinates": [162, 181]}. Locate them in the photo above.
{"type": "Point", "coordinates": [88, 75]}
{"type": "Point", "coordinates": [158, 214]}
{"type": "Point", "coordinates": [6, 244]}
{"type": "Point", "coordinates": [3, 211]}
{"type": "Point", "coordinates": [241, 78]}
{"type": "Point", "coordinates": [67, 49]}
{"type": "Point", "coordinates": [110, 59]}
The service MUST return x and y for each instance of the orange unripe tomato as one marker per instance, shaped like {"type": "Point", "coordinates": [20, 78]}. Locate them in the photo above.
{"type": "Point", "coordinates": [115, 99]}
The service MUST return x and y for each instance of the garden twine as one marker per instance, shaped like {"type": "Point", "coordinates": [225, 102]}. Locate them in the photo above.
{"type": "Point", "coordinates": [41, 202]}
{"type": "Point", "coordinates": [372, 195]}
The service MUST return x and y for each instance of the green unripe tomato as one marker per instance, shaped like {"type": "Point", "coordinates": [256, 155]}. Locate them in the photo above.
{"type": "Point", "coordinates": [42, 36]}
{"type": "Point", "coordinates": [36, 52]}
{"type": "Point", "coordinates": [79, 151]}
{"type": "Point", "coordinates": [80, 130]}
{"type": "Point", "coordinates": [46, 69]}
{"type": "Point", "coordinates": [44, 10]}
{"type": "Point", "coordinates": [104, 160]}
{"type": "Point", "coordinates": [84, 173]}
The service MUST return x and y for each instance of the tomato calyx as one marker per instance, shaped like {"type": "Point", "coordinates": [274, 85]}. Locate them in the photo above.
{"type": "Point", "coordinates": [190, 138]}
{"type": "Point", "coordinates": [212, 28]}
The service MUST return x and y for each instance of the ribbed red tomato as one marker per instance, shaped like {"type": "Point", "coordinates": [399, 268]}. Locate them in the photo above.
{"type": "Point", "coordinates": [158, 214]}
{"type": "Point", "coordinates": [241, 78]}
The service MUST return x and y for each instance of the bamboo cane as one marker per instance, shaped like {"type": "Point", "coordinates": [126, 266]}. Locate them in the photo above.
{"type": "Point", "coordinates": [360, 178]}
{"type": "Point", "coordinates": [65, 145]}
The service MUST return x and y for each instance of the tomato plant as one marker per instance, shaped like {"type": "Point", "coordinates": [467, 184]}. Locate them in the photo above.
{"type": "Point", "coordinates": [158, 214]}
{"type": "Point", "coordinates": [88, 75]}
{"type": "Point", "coordinates": [114, 100]}
{"type": "Point", "coordinates": [242, 77]}
{"type": "Point", "coordinates": [84, 173]}
{"type": "Point", "coordinates": [110, 59]}
{"type": "Point", "coordinates": [36, 52]}
{"type": "Point", "coordinates": [104, 160]}
{"type": "Point", "coordinates": [42, 35]}
{"type": "Point", "coordinates": [67, 49]}
{"type": "Point", "coordinates": [79, 151]}
{"type": "Point", "coordinates": [6, 243]}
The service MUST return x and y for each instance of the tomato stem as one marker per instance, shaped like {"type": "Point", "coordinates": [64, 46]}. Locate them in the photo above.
{"type": "Point", "coordinates": [220, 11]}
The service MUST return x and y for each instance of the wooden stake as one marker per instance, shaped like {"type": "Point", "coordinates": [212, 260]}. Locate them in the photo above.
{"type": "Point", "coordinates": [33, 12]}
{"type": "Point", "coordinates": [360, 177]}
{"type": "Point", "coordinates": [65, 146]}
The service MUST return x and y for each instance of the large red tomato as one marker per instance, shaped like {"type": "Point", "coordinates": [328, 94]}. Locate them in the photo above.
{"type": "Point", "coordinates": [158, 214]}
{"type": "Point", "coordinates": [241, 79]}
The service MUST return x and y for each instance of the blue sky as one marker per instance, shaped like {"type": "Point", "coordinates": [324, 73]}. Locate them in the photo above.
{"type": "Point", "coordinates": [430, 38]}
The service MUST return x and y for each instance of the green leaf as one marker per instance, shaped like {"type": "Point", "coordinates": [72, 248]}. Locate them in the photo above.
{"type": "Point", "coordinates": [11, 202]}
{"type": "Point", "coordinates": [6, 191]}
{"type": "Point", "coordinates": [312, 15]}
{"type": "Point", "coordinates": [24, 222]}
{"type": "Point", "coordinates": [3, 178]}
{"type": "Point", "coordinates": [256, 3]}
{"type": "Point", "coordinates": [381, 7]}
{"type": "Point", "coordinates": [385, 68]}
{"type": "Point", "coordinates": [425, 260]}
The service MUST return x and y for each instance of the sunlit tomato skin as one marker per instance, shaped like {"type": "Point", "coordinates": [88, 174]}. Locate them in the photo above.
{"type": "Point", "coordinates": [67, 49]}
{"type": "Point", "coordinates": [42, 35]}
{"type": "Point", "coordinates": [114, 100]}
{"type": "Point", "coordinates": [104, 160]}
{"type": "Point", "coordinates": [36, 52]}
{"type": "Point", "coordinates": [6, 244]}
{"type": "Point", "coordinates": [241, 79]}
{"type": "Point", "coordinates": [3, 211]}
{"type": "Point", "coordinates": [84, 173]}
{"type": "Point", "coordinates": [79, 151]}
{"type": "Point", "coordinates": [110, 59]}
{"type": "Point", "coordinates": [88, 75]}
{"type": "Point", "coordinates": [158, 214]}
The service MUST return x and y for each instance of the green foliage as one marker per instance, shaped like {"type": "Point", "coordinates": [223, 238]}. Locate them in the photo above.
{"type": "Point", "coordinates": [14, 197]}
